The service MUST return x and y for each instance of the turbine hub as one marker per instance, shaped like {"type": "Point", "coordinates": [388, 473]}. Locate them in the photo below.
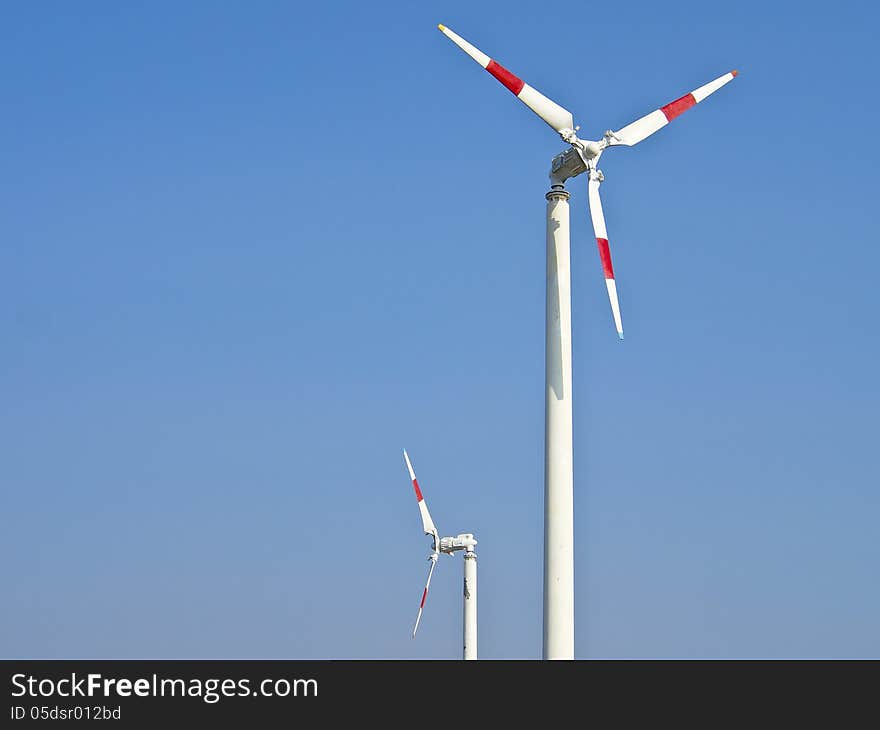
{"type": "Point", "coordinates": [591, 149]}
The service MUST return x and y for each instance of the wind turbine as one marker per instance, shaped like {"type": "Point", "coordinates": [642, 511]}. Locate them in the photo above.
{"type": "Point", "coordinates": [581, 156]}
{"type": "Point", "coordinates": [448, 546]}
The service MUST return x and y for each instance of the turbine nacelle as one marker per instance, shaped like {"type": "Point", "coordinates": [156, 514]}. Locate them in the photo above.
{"type": "Point", "coordinates": [568, 164]}
{"type": "Point", "coordinates": [449, 545]}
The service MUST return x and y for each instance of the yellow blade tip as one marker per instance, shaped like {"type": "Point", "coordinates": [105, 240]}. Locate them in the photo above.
{"type": "Point", "coordinates": [441, 27]}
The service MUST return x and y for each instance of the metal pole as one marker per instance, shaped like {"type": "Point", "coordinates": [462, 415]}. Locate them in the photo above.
{"type": "Point", "coordinates": [558, 480]}
{"type": "Point", "coordinates": [470, 604]}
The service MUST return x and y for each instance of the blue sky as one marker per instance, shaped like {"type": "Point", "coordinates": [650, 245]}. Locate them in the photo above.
{"type": "Point", "coordinates": [249, 251]}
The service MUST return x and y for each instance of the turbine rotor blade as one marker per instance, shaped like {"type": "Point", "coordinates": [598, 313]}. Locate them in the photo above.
{"type": "Point", "coordinates": [427, 522]}
{"type": "Point", "coordinates": [433, 560]}
{"type": "Point", "coordinates": [557, 117]}
{"type": "Point", "coordinates": [598, 218]}
{"type": "Point", "coordinates": [646, 126]}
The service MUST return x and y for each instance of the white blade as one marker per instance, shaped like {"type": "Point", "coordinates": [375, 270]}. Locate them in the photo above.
{"type": "Point", "coordinates": [427, 522]}
{"type": "Point", "coordinates": [646, 126]}
{"type": "Point", "coordinates": [604, 250]}
{"type": "Point", "coordinates": [433, 560]}
{"type": "Point", "coordinates": [557, 117]}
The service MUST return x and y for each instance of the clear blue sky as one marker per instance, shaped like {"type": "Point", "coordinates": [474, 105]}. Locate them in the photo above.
{"type": "Point", "coordinates": [249, 251]}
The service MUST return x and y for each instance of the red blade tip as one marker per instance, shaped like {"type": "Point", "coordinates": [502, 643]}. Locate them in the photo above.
{"type": "Point", "coordinates": [734, 72]}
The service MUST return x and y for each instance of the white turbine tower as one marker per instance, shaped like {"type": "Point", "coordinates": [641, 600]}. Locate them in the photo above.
{"type": "Point", "coordinates": [448, 546]}
{"type": "Point", "coordinates": [582, 156]}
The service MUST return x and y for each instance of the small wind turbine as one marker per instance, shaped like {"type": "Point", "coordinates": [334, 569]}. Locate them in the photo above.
{"type": "Point", "coordinates": [448, 546]}
{"type": "Point", "coordinates": [582, 156]}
